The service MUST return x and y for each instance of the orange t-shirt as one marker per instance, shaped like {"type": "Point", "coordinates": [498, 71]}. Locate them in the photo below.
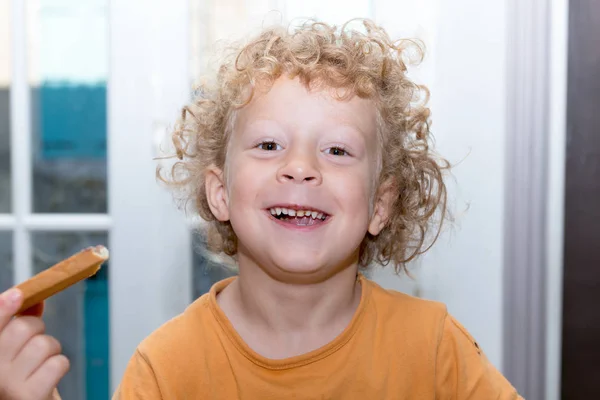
{"type": "Point", "coordinates": [395, 347]}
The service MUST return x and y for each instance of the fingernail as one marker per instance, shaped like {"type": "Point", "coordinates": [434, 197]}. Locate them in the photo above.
{"type": "Point", "coordinates": [13, 295]}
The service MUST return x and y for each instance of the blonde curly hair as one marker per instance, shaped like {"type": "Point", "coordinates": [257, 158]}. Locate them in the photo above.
{"type": "Point", "coordinates": [365, 63]}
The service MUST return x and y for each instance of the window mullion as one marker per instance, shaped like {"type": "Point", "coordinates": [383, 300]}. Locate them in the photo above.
{"type": "Point", "coordinates": [20, 141]}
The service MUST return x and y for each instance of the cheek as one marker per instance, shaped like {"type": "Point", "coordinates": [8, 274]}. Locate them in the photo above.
{"type": "Point", "coordinates": [355, 191]}
{"type": "Point", "coordinates": [244, 183]}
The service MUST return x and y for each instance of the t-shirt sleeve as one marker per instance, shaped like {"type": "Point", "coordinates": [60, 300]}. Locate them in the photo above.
{"type": "Point", "coordinates": [139, 381]}
{"type": "Point", "coordinates": [464, 372]}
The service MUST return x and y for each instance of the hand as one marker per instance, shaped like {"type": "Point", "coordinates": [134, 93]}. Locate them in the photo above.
{"type": "Point", "coordinates": [31, 363]}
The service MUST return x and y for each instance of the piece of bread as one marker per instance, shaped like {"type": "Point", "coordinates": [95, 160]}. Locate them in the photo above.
{"type": "Point", "coordinates": [62, 275]}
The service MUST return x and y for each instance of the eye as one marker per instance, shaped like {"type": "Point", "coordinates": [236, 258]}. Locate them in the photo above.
{"type": "Point", "coordinates": [337, 151]}
{"type": "Point", "coordinates": [268, 146]}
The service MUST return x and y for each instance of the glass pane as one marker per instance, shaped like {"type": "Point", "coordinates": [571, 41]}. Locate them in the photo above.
{"type": "Point", "coordinates": [5, 78]}
{"type": "Point", "coordinates": [68, 56]}
{"type": "Point", "coordinates": [79, 316]}
{"type": "Point", "coordinates": [6, 266]}
{"type": "Point", "coordinates": [205, 270]}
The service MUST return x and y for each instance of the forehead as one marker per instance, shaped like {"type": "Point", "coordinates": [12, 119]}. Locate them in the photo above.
{"type": "Point", "coordinates": [293, 105]}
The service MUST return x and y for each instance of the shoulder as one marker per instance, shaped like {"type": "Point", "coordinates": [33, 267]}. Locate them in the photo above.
{"type": "Point", "coordinates": [420, 313]}
{"type": "Point", "coordinates": [188, 338]}
{"type": "Point", "coordinates": [174, 338]}
{"type": "Point", "coordinates": [464, 371]}
{"type": "Point", "coordinates": [409, 329]}
{"type": "Point", "coordinates": [170, 360]}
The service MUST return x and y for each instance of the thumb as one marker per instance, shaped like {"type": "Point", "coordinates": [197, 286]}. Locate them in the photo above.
{"type": "Point", "coordinates": [10, 302]}
{"type": "Point", "coordinates": [34, 311]}
{"type": "Point", "coordinates": [54, 395]}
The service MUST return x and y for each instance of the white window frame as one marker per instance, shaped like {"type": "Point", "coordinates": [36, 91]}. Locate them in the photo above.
{"type": "Point", "coordinates": [148, 239]}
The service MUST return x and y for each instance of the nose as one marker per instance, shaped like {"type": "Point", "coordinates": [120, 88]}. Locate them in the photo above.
{"type": "Point", "coordinates": [300, 167]}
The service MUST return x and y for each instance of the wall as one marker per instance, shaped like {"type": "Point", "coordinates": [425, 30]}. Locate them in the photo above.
{"type": "Point", "coordinates": [465, 70]}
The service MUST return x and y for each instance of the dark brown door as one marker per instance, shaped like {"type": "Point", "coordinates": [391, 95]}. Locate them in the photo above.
{"type": "Point", "coordinates": [581, 310]}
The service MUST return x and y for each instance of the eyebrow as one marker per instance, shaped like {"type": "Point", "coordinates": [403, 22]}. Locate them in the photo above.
{"type": "Point", "coordinates": [343, 126]}
{"type": "Point", "coordinates": [256, 124]}
{"type": "Point", "coordinates": [353, 130]}
{"type": "Point", "coordinates": [350, 127]}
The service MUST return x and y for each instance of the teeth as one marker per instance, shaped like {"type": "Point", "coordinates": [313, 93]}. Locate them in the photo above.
{"type": "Point", "coordinates": [297, 213]}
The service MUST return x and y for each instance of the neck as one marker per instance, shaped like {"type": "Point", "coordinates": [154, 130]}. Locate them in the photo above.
{"type": "Point", "coordinates": [282, 307]}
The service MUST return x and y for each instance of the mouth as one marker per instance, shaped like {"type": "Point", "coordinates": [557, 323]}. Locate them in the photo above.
{"type": "Point", "coordinates": [298, 215]}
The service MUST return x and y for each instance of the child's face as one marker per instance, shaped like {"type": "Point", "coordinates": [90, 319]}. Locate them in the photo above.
{"type": "Point", "coordinates": [292, 150]}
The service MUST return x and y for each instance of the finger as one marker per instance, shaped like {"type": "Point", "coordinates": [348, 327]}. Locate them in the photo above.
{"type": "Point", "coordinates": [35, 311]}
{"type": "Point", "coordinates": [16, 334]}
{"type": "Point", "coordinates": [47, 376]}
{"type": "Point", "coordinates": [10, 301]}
{"type": "Point", "coordinates": [35, 352]}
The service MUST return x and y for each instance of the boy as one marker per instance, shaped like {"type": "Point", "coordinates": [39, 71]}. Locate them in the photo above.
{"type": "Point", "coordinates": [309, 159]}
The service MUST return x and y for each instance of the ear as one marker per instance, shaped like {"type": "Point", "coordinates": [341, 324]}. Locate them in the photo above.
{"type": "Point", "coordinates": [382, 207]}
{"type": "Point", "coordinates": [216, 194]}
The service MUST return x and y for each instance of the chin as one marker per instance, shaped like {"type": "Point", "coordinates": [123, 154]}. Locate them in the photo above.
{"type": "Point", "coordinates": [298, 264]}
{"type": "Point", "coordinates": [301, 268]}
